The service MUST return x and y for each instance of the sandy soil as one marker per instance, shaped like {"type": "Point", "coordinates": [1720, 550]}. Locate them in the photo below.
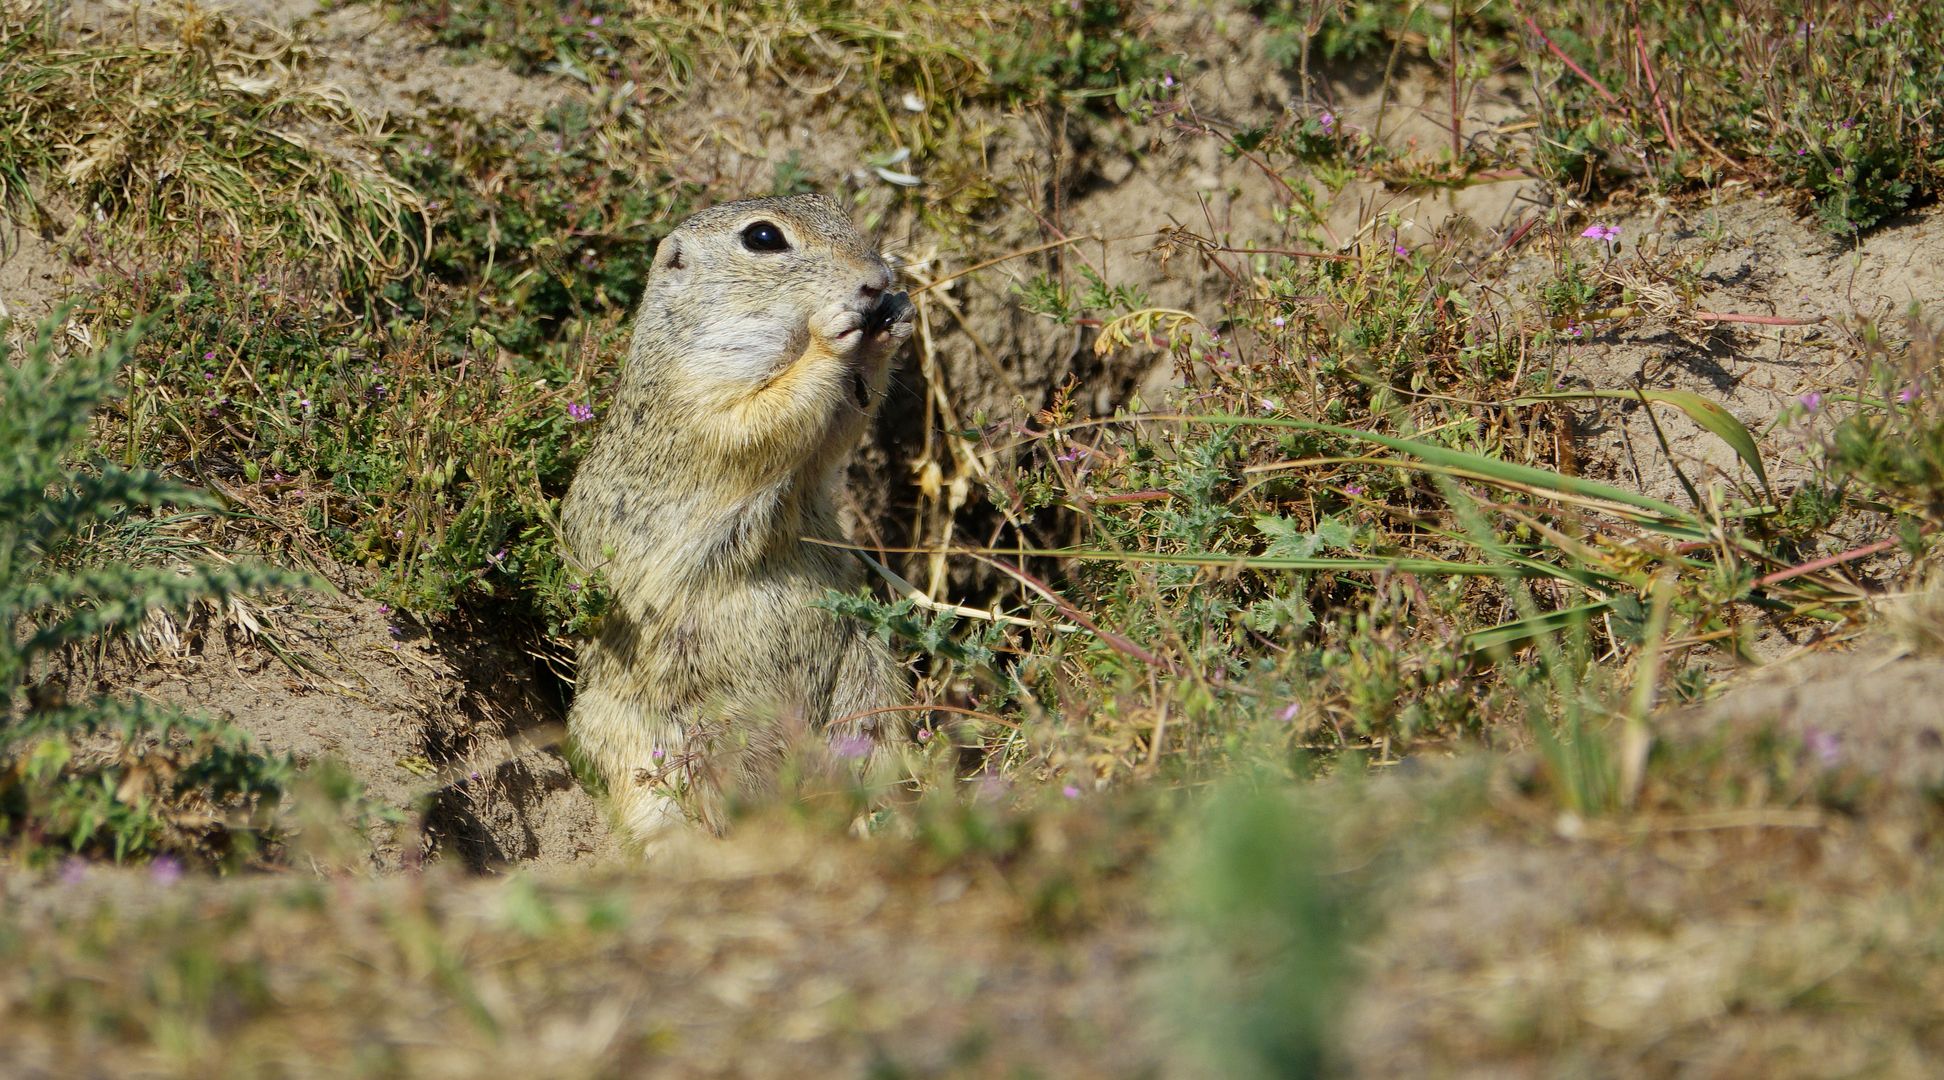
{"type": "Point", "coordinates": [1776, 941]}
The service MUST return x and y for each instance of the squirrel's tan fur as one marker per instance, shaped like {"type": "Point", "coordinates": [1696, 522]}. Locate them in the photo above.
{"type": "Point", "coordinates": [752, 374]}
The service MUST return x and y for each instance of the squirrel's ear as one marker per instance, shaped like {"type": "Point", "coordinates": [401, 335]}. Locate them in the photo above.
{"type": "Point", "coordinates": [669, 256]}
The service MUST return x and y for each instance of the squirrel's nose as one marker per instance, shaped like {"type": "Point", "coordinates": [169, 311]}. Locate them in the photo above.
{"type": "Point", "coordinates": [873, 287]}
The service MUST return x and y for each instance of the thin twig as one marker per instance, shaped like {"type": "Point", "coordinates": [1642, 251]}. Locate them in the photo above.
{"type": "Point", "coordinates": [1117, 642]}
{"type": "Point", "coordinates": [1653, 87]}
{"type": "Point", "coordinates": [1568, 61]}
{"type": "Point", "coordinates": [1827, 561]}
{"type": "Point", "coordinates": [918, 596]}
{"type": "Point", "coordinates": [995, 261]}
{"type": "Point", "coordinates": [954, 709]}
{"type": "Point", "coordinates": [1293, 253]}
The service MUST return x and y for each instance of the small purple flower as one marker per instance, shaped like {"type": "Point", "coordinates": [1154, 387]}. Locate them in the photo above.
{"type": "Point", "coordinates": [1353, 489]}
{"type": "Point", "coordinates": [1907, 395]}
{"type": "Point", "coordinates": [497, 557]}
{"type": "Point", "coordinates": [1605, 234]}
{"type": "Point", "coordinates": [851, 747]}
{"type": "Point", "coordinates": [1327, 122]}
{"type": "Point", "coordinates": [1573, 330]}
{"type": "Point", "coordinates": [165, 871]}
{"type": "Point", "coordinates": [1825, 745]}
{"type": "Point", "coordinates": [208, 375]}
{"type": "Point", "coordinates": [1811, 401]}
{"type": "Point", "coordinates": [596, 21]}
{"type": "Point", "coordinates": [1290, 713]}
{"type": "Point", "coordinates": [1167, 82]}
{"type": "Point", "coordinates": [393, 630]}
{"type": "Point", "coordinates": [1277, 322]}
{"type": "Point", "coordinates": [384, 609]}
{"type": "Point", "coordinates": [924, 734]}
{"type": "Point", "coordinates": [1400, 249]}
{"type": "Point", "coordinates": [1071, 791]}
{"type": "Point", "coordinates": [210, 355]}
{"type": "Point", "coordinates": [656, 753]}
{"type": "Point", "coordinates": [579, 413]}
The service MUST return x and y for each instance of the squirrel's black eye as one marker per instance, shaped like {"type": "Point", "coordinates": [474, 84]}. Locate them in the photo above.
{"type": "Point", "coordinates": [763, 236]}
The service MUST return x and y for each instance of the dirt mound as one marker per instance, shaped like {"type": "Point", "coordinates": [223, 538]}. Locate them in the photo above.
{"type": "Point", "coordinates": [1748, 256]}
{"type": "Point", "coordinates": [1795, 937]}
{"type": "Point", "coordinates": [454, 732]}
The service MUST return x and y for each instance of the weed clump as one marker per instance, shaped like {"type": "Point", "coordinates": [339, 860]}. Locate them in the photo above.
{"type": "Point", "coordinates": [108, 776]}
{"type": "Point", "coordinates": [197, 133]}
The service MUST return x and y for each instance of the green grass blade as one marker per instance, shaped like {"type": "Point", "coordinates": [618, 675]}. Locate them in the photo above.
{"type": "Point", "coordinates": [1518, 568]}
{"type": "Point", "coordinates": [1489, 469]}
{"type": "Point", "coordinates": [1492, 640]}
{"type": "Point", "coordinates": [1710, 415]}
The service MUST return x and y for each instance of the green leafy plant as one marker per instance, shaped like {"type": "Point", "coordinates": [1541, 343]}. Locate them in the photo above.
{"type": "Point", "coordinates": [1085, 51]}
{"type": "Point", "coordinates": [1893, 442]}
{"type": "Point", "coordinates": [111, 776]}
{"type": "Point", "coordinates": [1270, 929]}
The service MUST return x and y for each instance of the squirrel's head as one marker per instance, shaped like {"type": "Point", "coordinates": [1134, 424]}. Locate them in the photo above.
{"type": "Point", "coordinates": [734, 290]}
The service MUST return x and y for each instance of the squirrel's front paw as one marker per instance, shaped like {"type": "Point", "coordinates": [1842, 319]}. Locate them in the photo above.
{"type": "Point", "coordinates": [840, 328]}
{"type": "Point", "coordinates": [845, 330]}
{"type": "Point", "coordinates": [890, 319]}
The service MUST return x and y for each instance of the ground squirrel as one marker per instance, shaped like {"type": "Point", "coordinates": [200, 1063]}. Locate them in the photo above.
{"type": "Point", "coordinates": [761, 350]}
